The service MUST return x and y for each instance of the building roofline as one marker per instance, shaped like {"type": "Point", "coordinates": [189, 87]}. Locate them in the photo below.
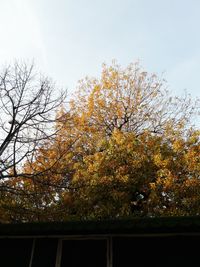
{"type": "Point", "coordinates": [136, 226]}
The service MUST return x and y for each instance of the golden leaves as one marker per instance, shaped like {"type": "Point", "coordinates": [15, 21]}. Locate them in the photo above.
{"type": "Point", "coordinates": [122, 137]}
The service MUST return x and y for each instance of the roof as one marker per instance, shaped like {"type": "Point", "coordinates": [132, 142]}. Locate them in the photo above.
{"type": "Point", "coordinates": [161, 225]}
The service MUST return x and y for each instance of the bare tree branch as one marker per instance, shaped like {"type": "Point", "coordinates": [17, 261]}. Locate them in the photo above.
{"type": "Point", "coordinates": [28, 103]}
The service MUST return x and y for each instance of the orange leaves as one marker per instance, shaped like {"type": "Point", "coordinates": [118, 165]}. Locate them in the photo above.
{"type": "Point", "coordinates": [178, 145]}
{"type": "Point", "coordinates": [122, 149]}
{"type": "Point", "coordinates": [177, 188]}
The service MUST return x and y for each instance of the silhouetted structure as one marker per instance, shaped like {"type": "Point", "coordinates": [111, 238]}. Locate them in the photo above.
{"type": "Point", "coordinates": [145, 242]}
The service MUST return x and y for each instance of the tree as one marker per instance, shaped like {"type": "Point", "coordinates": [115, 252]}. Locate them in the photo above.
{"type": "Point", "coordinates": [129, 100]}
{"type": "Point", "coordinates": [139, 176]}
{"type": "Point", "coordinates": [176, 188]}
{"type": "Point", "coordinates": [124, 148]}
{"type": "Point", "coordinates": [128, 120]}
{"type": "Point", "coordinates": [28, 103]}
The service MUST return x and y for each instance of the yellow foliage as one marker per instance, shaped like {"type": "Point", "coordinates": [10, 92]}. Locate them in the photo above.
{"type": "Point", "coordinates": [122, 149]}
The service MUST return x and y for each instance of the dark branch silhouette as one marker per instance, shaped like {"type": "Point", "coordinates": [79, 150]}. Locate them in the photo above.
{"type": "Point", "coordinates": [28, 102]}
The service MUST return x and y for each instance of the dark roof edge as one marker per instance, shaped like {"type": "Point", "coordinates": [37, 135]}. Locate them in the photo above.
{"type": "Point", "coordinates": [161, 225]}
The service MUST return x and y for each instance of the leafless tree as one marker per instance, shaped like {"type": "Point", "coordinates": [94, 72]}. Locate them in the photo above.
{"type": "Point", "coordinates": [28, 102]}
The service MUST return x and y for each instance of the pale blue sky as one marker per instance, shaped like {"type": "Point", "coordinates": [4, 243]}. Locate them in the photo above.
{"type": "Point", "coordinates": [69, 39]}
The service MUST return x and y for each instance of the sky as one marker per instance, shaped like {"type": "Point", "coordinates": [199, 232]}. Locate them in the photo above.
{"type": "Point", "coordinates": [69, 39]}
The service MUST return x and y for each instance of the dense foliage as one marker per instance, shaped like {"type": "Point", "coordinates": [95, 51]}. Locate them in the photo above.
{"type": "Point", "coordinates": [124, 148]}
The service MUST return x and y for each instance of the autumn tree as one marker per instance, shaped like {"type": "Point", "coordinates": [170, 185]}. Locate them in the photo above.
{"type": "Point", "coordinates": [139, 176]}
{"type": "Point", "coordinates": [128, 120]}
{"type": "Point", "coordinates": [129, 100]}
{"type": "Point", "coordinates": [28, 102]}
{"type": "Point", "coordinates": [125, 147]}
{"type": "Point", "coordinates": [34, 194]}
{"type": "Point", "coordinates": [176, 189]}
